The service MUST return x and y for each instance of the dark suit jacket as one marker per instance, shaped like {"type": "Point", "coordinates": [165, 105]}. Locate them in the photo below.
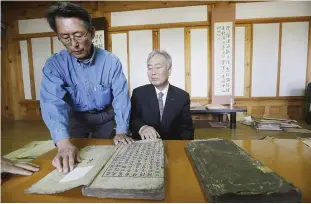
{"type": "Point", "coordinates": [176, 121]}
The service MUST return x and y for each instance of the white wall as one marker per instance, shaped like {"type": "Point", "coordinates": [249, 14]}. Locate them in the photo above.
{"type": "Point", "coordinates": [239, 61]}
{"type": "Point", "coordinates": [39, 25]}
{"type": "Point", "coordinates": [25, 69]}
{"type": "Point", "coordinates": [41, 51]}
{"type": "Point", "coordinates": [140, 43]}
{"type": "Point", "coordinates": [119, 48]}
{"type": "Point", "coordinates": [157, 16]}
{"type": "Point", "coordinates": [199, 62]}
{"type": "Point", "coordinates": [172, 40]}
{"type": "Point", "coordinates": [294, 58]}
{"type": "Point", "coordinates": [273, 9]}
{"type": "Point", "coordinates": [265, 59]}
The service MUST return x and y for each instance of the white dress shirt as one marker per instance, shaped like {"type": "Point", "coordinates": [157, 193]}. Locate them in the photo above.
{"type": "Point", "coordinates": [164, 94]}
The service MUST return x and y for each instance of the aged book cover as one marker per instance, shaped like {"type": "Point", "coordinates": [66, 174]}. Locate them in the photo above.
{"type": "Point", "coordinates": [124, 171]}
{"type": "Point", "coordinates": [228, 174]}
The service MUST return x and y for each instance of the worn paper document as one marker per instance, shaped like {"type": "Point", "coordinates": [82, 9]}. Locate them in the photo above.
{"type": "Point", "coordinates": [31, 151]}
{"type": "Point", "coordinates": [37, 150]}
{"type": "Point", "coordinates": [93, 159]}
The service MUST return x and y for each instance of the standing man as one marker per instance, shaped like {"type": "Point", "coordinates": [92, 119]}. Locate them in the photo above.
{"type": "Point", "coordinates": [83, 87]}
{"type": "Point", "coordinates": [159, 109]}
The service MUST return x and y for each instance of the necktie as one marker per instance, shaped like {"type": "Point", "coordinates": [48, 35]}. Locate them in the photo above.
{"type": "Point", "coordinates": [161, 105]}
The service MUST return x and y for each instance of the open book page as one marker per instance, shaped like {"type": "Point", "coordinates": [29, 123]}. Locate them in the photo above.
{"type": "Point", "coordinates": [93, 159]}
{"type": "Point", "coordinates": [135, 167]}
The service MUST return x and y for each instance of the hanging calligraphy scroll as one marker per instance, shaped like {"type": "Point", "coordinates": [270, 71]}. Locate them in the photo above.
{"type": "Point", "coordinates": [223, 59]}
{"type": "Point", "coordinates": [100, 38]}
{"type": "Point", "coordinates": [223, 54]}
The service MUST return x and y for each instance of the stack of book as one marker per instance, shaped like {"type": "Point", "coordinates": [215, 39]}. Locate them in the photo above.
{"type": "Point", "coordinates": [267, 123]}
{"type": "Point", "coordinates": [197, 106]}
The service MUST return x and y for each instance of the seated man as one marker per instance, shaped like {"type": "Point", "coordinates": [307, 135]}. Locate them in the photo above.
{"type": "Point", "coordinates": [160, 110]}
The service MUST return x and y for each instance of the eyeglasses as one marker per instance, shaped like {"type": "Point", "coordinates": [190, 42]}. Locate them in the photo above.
{"type": "Point", "coordinates": [77, 37]}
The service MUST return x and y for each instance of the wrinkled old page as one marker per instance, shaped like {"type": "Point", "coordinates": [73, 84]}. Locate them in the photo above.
{"type": "Point", "coordinates": [31, 151]}
{"type": "Point", "coordinates": [93, 159]}
{"type": "Point", "coordinates": [134, 171]}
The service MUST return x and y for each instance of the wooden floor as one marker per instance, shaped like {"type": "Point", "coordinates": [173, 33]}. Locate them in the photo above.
{"type": "Point", "coordinates": [16, 134]}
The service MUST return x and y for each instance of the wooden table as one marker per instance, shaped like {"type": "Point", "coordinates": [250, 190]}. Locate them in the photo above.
{"type": "Point", "coordinates": [290, 158]}
{"type": "Point", "coordinates": [232, 111]}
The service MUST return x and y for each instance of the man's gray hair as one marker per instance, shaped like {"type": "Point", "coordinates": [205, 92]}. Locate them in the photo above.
{"type": "Point", "coordinates": [163, 53]}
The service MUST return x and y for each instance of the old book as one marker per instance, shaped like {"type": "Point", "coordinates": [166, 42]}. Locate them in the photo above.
{"type": "Point", "coordinates": [124, 171]}
{"type": "Point", "coordinates": [228, 174]}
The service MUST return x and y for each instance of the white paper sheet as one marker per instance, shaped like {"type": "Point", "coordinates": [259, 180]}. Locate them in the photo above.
{"type": "Point", "coordinates": [76, 174]}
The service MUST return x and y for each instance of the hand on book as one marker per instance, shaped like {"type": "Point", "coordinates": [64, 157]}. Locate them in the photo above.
{"type": "Point", "coordinates": [123, 139]}
{"type": "Point", "coordinates": [13, 167]}
{"type": "Point", "coordinates": [66, 156]}
{"type": "Point", "coordinates": [148, 132]}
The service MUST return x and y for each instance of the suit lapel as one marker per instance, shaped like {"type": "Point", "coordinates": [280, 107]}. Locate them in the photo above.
{"type": "Point", "coordinates": [153, 100]}
{"type": "Point", "coordinates": [169, 105]}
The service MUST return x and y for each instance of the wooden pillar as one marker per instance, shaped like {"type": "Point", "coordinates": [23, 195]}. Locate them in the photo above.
{"type": "Point", "coordinates": [10, 63]}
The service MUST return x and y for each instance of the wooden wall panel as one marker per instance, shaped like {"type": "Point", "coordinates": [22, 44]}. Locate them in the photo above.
{"type": "Point", "coordinates": [258, 111]}
{"type": "Point", "coordinates": [10, 64]}
{"type": "Point", "coordinates": [294, 110]}
{"type": "Point", "coordinates": [291, 108]}
{"type": "Point", "coordinates": [5, 100]}
{"type": "Point", "coordinates": [275, 110]}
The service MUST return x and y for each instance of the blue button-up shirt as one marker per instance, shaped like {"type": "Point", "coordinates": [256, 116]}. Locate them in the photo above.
{"type": "Point", "coordinates": [69, 84]}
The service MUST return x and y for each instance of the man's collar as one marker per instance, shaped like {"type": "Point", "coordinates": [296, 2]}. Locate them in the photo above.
{"type": "Point", "coordinates": [90, 60]}
{"type": "Point", "coordinates": [164, 91]}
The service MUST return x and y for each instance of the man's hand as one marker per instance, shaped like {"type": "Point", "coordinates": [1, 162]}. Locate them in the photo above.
{"type": "Point", "coordinates": [66, 156]}
{"type": "Point", "coordinates": [148, 132]}
{"type": "Point", "coordinates": [123, 139]}
{"type": "Point", "coordinates": [13, 167]}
